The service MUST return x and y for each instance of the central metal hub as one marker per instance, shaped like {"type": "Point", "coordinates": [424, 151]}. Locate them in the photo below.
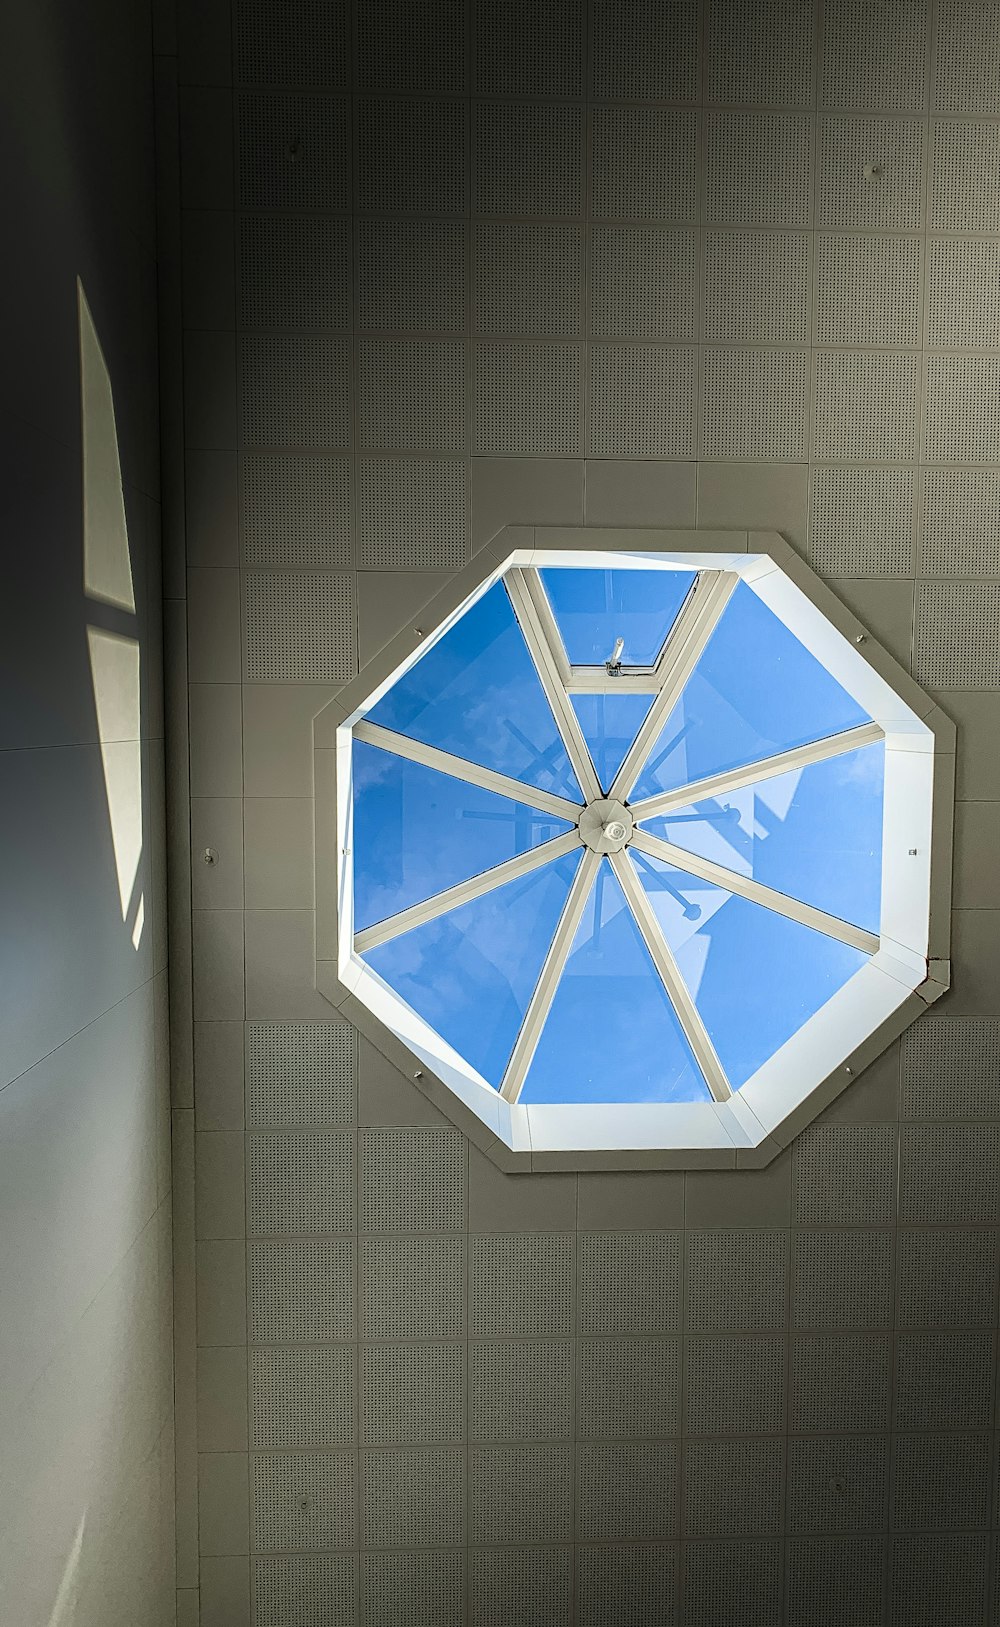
{"type": "Point", "coordinates": [606, 826]}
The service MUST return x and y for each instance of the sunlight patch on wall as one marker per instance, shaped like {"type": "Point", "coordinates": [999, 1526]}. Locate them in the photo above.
{"type": "Point", "coordinates": [107, 571]}
{"type": "Point", "coordinates": [114, 670]}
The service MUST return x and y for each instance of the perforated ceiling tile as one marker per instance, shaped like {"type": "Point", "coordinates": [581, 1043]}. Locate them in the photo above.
{"type": "Point", "coordinates": [947, 1278]}
{"type": "Point", "coordinates": [300, 1290]}
{"type": "Point", "coordinates": [628, 1387]}
{"type": "Point", "coordinates": [967, 57]}
{"type": "Point", "coordinates": [293, 152]}
{"type": "Point", "coordinates": [527, 279]}
{"type": "Point", "coordinates": [626, 1490]}
{"type": "Point", "coordinates": [412, 1287]}
{"type": "Point", "coordinates": [299, 627]}
{"type": "Point", "coordinates": [643, 283]}
{"type": "Point", "coordinates": [295, 272]}
{"type": "Point", "coordinates": [299, 42]}
{"type": "Point", "coordinates": [411, 395]}
{"type": "Point", "coordinates": [890, 195]}
{"type": "Point", "coordinates": [963, 294]}
{"type": "Point", "coordinates": [950, 1068]}
{"type": "Point", "coordinates": [757, 288]}
{"type": "Point", "coordinates": [521, 1391]}
{"type": "Point", "coordinates": [295, 511]}
{"type": "Point", "coordinates": [303, 1500]}
{"type": "Point", "coordinates": [963, 194]}
{"type": "Point", "coordinates": [961, 523]}
{"type": "Point", "coordinates": [941, 1481]}
{"type": "Point", "coordinates": [528, 50]}
{"type": "Point", "coordinates": [720, 1577]}
{"type": "Point", "coordinates": [865, 406]}
{"type": "Point", "coordinates": [861, 521]}
{"type": "Point", "coordinates": [956, 642]}
{"type": "Point", "coordinates": [842, 1279]}
{"type": "Point", "coordinates": [411, 1180]}
{"type": "Point", "coordinates": [944, 1380]}
{"type": "Point", "coordinates": [874, 55]}
{"type": "Point", "coordinates": [411, 156]}
{"type": "Point", "coordinates": [755, 404]}
{"type": "Point", "coordinates": [413, 1498]}
{"type": "Point", "coordinates": [527, 160]}
{"type": "Point", "coordinates": [838, 1484]}
{"type": "Point", "coordinates": [412, 1394]}
{"type": "Point", "coordinates": [527, 399]}
{"type": "Point", "coordinates": [762, 58]}
{"type": "Point", "coordinates": [295, 391]}
{"type": "Point", "coordinates": [532, 1586]}
{"type": "Point", "coordinates": [411, 276]}
{"type": "Point", "coordinates": [521, 1493]}
{"type": "Point", "coordinates": [412, 513]}
{"type": "Point", "coordinates": [300, 1183]}
{"type": "Point", "coordinates": [736, 1281]}
{"type": "Point", "coordinates": [845, 1173]}
{"type": "Point", "coordinates": [400, 48]}
{"type": "Point", "coordinates": [521, 1287]}
{"type": "Point", "coordinates": [630, 1585]}
{"type": "Point", "coordinates": [642, 401]}
{"type": "Point", "coordinates": [644, 164]}
{"type": "Point", "coordinates": [413, 1588]}
{"type": "Point", "coordinates": [836, 1579]}
{"type": "Point", "coordinates": [735, 1386]}
{"type": "Point", "coordinates": [630, 1282]}
{"type": "Point", "coordinates": [301, 1073]}
{"type": "Point", "coordinates": [644, 51]}
{"type": "Point", "coordinates": [868, 290]}
{"type": "Point", "coordinates": [839, 1383]}
{"type": "Point", "coordinates": [305, 1591]}
{"type": "Point", "coordinates": [758, 169]}
{"type": "Point", "coordinates": [934, 1577]}
{"type": "Point", "coordinates": [949, 1173]}
{"type": "Point", "coordinates": [734, 1488]}
{"type": "Point", "coordinates": [301, 1397]}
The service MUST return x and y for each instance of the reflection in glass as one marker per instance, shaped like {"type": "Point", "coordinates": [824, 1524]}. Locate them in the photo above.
{"type": "Point", "coordinates": [595, 608]}
{"type": "Point", "coordinates": [476, 694]}
{"type": "Point", "coordinates": [814, 833]}
{"type": "Point", "coordinates": [470, 974]}
{"type": "Point", "coordinates": [612, 1034]}
{"type": "Point", "coordinates": [756, 977]}
{"type": "Point", "coordinates": [417, 832]}
{"type": "Point", "coordinates": [610, 723]}
{"type": "Point", "coordinates": [756, 691]}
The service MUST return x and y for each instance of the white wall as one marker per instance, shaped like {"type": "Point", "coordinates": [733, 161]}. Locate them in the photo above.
{"type": "Point", "coordinates": [86, 1433]}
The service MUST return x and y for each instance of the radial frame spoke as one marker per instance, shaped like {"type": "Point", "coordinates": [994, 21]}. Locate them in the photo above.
{"type": "Point", "coordinates": [464, 892]}
{"type": "Point", "coordinates": [679, 995]}
{"type": "Point", "coordinates": [756, 892]}
{"type": "Point", "coordinates": [697, 621]}
{"type": "Point", "coordinates": [553, 966]}
{"type": "Point", "coordinates": [541, 635]}
{"type": "Point", "coordinates": [460, 768]}
{"type": "Point", "coordinates": [765, 768]}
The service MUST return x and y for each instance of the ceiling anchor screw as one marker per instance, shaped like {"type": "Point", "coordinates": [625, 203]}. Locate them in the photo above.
{"type": "Point", "coordinates": [210, 856]}
{"type": "Point", "coordinates": [860, 638]}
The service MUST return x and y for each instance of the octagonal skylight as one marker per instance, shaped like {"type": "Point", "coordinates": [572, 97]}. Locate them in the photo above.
{"type": "Point", "coordinates": [622, 833]}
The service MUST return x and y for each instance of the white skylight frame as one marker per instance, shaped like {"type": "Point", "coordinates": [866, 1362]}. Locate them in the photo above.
{"type": "Point", "coordinates": [908, 969]}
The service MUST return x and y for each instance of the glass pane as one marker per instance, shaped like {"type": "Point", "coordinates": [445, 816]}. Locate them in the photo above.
{"type": "Point", "coordinates": [594, 608]}
{"type": "Point", "coordinates": [610, 723]}
{"type": "Point", "coordinates": [756, 691]}
{"type": "Point", "coordinates": [417, 832]}
{"type": "Point", "coordinates": [815, 833]}
{"type": "Point", "coordinates": [756, 977]}
{"type": "Point", "coordinates": [612, 1034]}
{"type": "Point", "coordinates": [477, 695]}
{"type": "Point", "coordinates": [471, 973]}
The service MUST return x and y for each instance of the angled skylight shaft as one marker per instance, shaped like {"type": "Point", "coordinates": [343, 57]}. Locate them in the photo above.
{"type": "Point", "coordinates": [612, 896]}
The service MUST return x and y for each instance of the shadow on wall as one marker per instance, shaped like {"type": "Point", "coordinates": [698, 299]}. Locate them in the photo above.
{"type": "Point", "coordinates": [112, 633]}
